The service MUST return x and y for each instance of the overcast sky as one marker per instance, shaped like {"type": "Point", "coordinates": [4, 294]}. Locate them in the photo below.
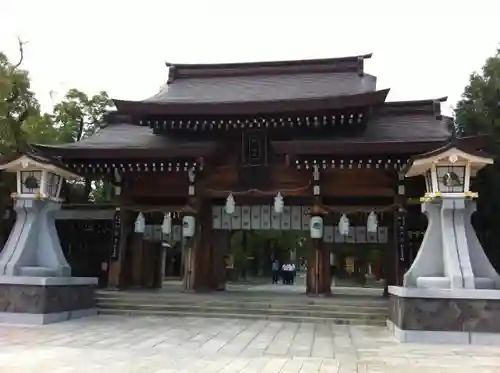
{"type": "Point", "coordinates": [422, 48]}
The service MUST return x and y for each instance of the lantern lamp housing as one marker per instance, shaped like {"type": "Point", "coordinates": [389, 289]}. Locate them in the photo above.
{"type": "Point", "coordinates": [37, 178]}
{"type": "Point", "coordinates": [448, 171]}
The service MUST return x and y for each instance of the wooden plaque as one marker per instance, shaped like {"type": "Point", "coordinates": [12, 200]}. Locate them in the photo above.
{"type": "Point", "coordinates": [296, 218]}
{"type": "Point", "coordinates": [176, 233]}
{"type": "Point", "coordinates": [360, 234]}
{"type": "Point", "coordinates": [255, 217]}
{"type": "Point", "coordinates": [217, 217]}
{"type": "Point", "coordinates": [305, 218]}
{"type": "Point", "coordinates": [286, 218]}
{"type": "Point", "coordinates": [265, 214]}
{"type": "Point", "coordinates": [351, 236]}
{"type": "Point", "coordinates": [236, 218]}
{"type": "Point", "coordinates": [383, 234]}
{"type": "Point", "coordinates": [246, 217]}
{"type": "Point", "coordinates": [275, 219]}
{"type": "Point", "coordinates": [328, 234]}
{"type": "Point", "coordinates": [371, 237]}
{"type": "Point", "coordinates": [339, 238]}
{"type": "Point", "coordinates": [115, 243]}
{"type": "Point", "coordinates": [226, 220]}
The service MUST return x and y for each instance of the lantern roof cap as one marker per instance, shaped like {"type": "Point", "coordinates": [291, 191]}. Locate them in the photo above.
{"type": "Point", "coordinates": [450, 154]}
{"type": "Point", "coordinates": [33, 162]}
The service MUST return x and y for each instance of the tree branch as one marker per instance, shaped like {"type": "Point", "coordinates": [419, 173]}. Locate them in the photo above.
{"type": "Point", "coordinates": [21, 54]}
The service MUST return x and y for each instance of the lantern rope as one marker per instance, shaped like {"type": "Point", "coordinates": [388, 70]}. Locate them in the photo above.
{"type": "Point", "coordinates": [334, 209]}
{"type": "Point", "coordinates": [258, 191]}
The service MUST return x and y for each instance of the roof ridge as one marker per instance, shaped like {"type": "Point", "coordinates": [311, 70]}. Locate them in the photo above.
{"type": "Point", "coordinates": [340, 64]}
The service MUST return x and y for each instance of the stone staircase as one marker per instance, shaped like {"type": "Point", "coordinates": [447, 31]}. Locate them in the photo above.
{"type": "Point", "coordinates": [339, 309]}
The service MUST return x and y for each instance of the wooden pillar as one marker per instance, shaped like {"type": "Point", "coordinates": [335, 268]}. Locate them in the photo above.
{"type": "Point", "coordinates": [136, 250]}
{"type": "Point", "coordinates": [199, 274]}
{"type": "Point", "coordinates": [401, 233]}
{"type": "Point", "coordinates": [199, 270]}
{"type": "Point", "coordinates": [221, 240]}
{"type": "Point", "coordinates": [124, 227]}
{"type": "Point", "coordinates": [318, 264]}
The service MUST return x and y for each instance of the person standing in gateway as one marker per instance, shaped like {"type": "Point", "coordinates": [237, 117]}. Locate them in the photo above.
{"type": "Point", "coordinates": [275, 270]}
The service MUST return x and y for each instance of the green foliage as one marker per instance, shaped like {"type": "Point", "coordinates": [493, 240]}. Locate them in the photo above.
{"type": "Point", "coordinates": [77, 116]}
{"type": "Point", "coordinates": [18, 104]}
{"type": "Point", "coordinates": [479, 110]}
{"type": "Point", "coordinates": [478, 113]}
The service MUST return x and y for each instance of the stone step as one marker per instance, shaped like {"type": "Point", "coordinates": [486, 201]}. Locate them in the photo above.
{"type": "Point", "coordinates": [244, 299]}
{"type": "Point", "coordinates": [327, 314]}
{"type": "Point", "coordinates": [241, 306]}
{"type": "Point", "coordinates": [284, 318]}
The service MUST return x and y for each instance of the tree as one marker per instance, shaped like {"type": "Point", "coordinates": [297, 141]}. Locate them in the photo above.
{"type": "Point", "coordinates": [77, 116]}
{"type": "Point", "coordinates": [478, 113]}
{"type": "Point", "coordinates": [17, 104]}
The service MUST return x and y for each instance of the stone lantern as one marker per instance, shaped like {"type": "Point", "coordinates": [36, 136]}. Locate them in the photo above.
{"type": "Point", "coordinates": [32, 256]}
{"type": "Point", "coordinates": [451, 286]}
{"type": "Point", "coordinates": [451, 256]}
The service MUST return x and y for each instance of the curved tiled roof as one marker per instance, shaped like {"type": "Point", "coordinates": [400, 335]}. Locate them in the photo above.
{"type": "Point", "coordinates": [117, 140]}
{"type": "Point", "coordinates": [252, 87]}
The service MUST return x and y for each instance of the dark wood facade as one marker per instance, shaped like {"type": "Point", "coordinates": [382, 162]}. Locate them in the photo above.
{"type": "Point", "coordinates": [254, 130]}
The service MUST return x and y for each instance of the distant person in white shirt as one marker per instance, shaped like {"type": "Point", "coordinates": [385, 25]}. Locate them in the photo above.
{"type": "Point", "coordinates": [288, 273]}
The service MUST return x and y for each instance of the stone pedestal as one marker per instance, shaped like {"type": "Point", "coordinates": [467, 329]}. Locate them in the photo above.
{"type": "Point", "coordinates": [451, 256]}
{"type": "Point", "coordinates": [36, 286]}
{"type": "Point", "coordinates": [33, 247]}
{"type": "Point", "coordinates": [461, 316]}
{"type": "Point", "coordinates": [450, 293]}
{"type": "Point", "coordinates": [44, 300]}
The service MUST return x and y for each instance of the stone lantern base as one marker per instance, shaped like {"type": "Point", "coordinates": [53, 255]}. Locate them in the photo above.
{"type": "Point", "coordinates": [44, 300]}
{"type": "Point", "coordinates": [455, 316]}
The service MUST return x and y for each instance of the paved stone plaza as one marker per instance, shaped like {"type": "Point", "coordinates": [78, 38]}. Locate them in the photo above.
{"type": "Point", "coordinates": [123, 345]}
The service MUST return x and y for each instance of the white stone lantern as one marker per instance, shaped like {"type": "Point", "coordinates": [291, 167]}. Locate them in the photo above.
{"type": "Point", "coordinates": [36, 251]}
{"type": "Point", "coordinates": [37, 179]}
{"type": "Point", "coordinates": [451, 256]}
{"type": "Point", "coordinates": [448, 171]}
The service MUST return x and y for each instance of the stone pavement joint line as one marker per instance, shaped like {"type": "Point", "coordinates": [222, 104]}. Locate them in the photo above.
{"type": "Point", "coordinates": [166, 345]}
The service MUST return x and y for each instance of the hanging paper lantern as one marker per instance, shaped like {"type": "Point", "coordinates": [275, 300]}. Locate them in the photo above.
{"type": "Point", "coordinates": [344, 225]}
{"type": "Point", "coordinates": [166, 227]}
{"type": "Point", "coordinates": [140, 224]}
{"type": "Point", "coordinates": [279, 204]}
{"type": "Point", "coordinates": [230, 204]}
{"type": "Point", "coordinates": [372, 223]}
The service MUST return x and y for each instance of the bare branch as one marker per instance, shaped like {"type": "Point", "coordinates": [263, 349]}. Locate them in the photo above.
{"type": "Point", "coordinates": [21, 53]}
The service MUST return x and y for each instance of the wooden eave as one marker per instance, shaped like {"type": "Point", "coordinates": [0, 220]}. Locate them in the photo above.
{"type": "Point", "coordinates": [143, 108]}
{"type": "Point", "coordinates": [194, 150]}
{"type": "Point", "coordinates": [339, 148]}
{"type": "Point", "coordinates": [342, 148]}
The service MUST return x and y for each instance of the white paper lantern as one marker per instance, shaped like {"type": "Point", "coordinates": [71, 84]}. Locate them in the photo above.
{"type": "Point", "coordinates": [372, 223]}
{"type": "Point", "coordinates": [140, 224]}
{"type": "Point", "coordinates": [188, 226]}
{"type": "Point", "coordinates": [230, 204]}
{"type": "Point", "coordinates": [344, 225]}
{"type": "Point", "coordinates": [279, 204]}
{"type": "Point", "coordinates": [316, 227]}
{"type": "Point", "coordinates": [166, 227]}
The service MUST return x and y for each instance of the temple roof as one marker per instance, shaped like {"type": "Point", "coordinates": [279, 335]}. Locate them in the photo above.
{"type": "Point", "coordinates": [261, 87]}
{"type": "Point", "coordinates": [339, 64]}
{"type": "Point", "coordinates": [129, 140]}
{"type": "Point", "coordinates": [396, 127]}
